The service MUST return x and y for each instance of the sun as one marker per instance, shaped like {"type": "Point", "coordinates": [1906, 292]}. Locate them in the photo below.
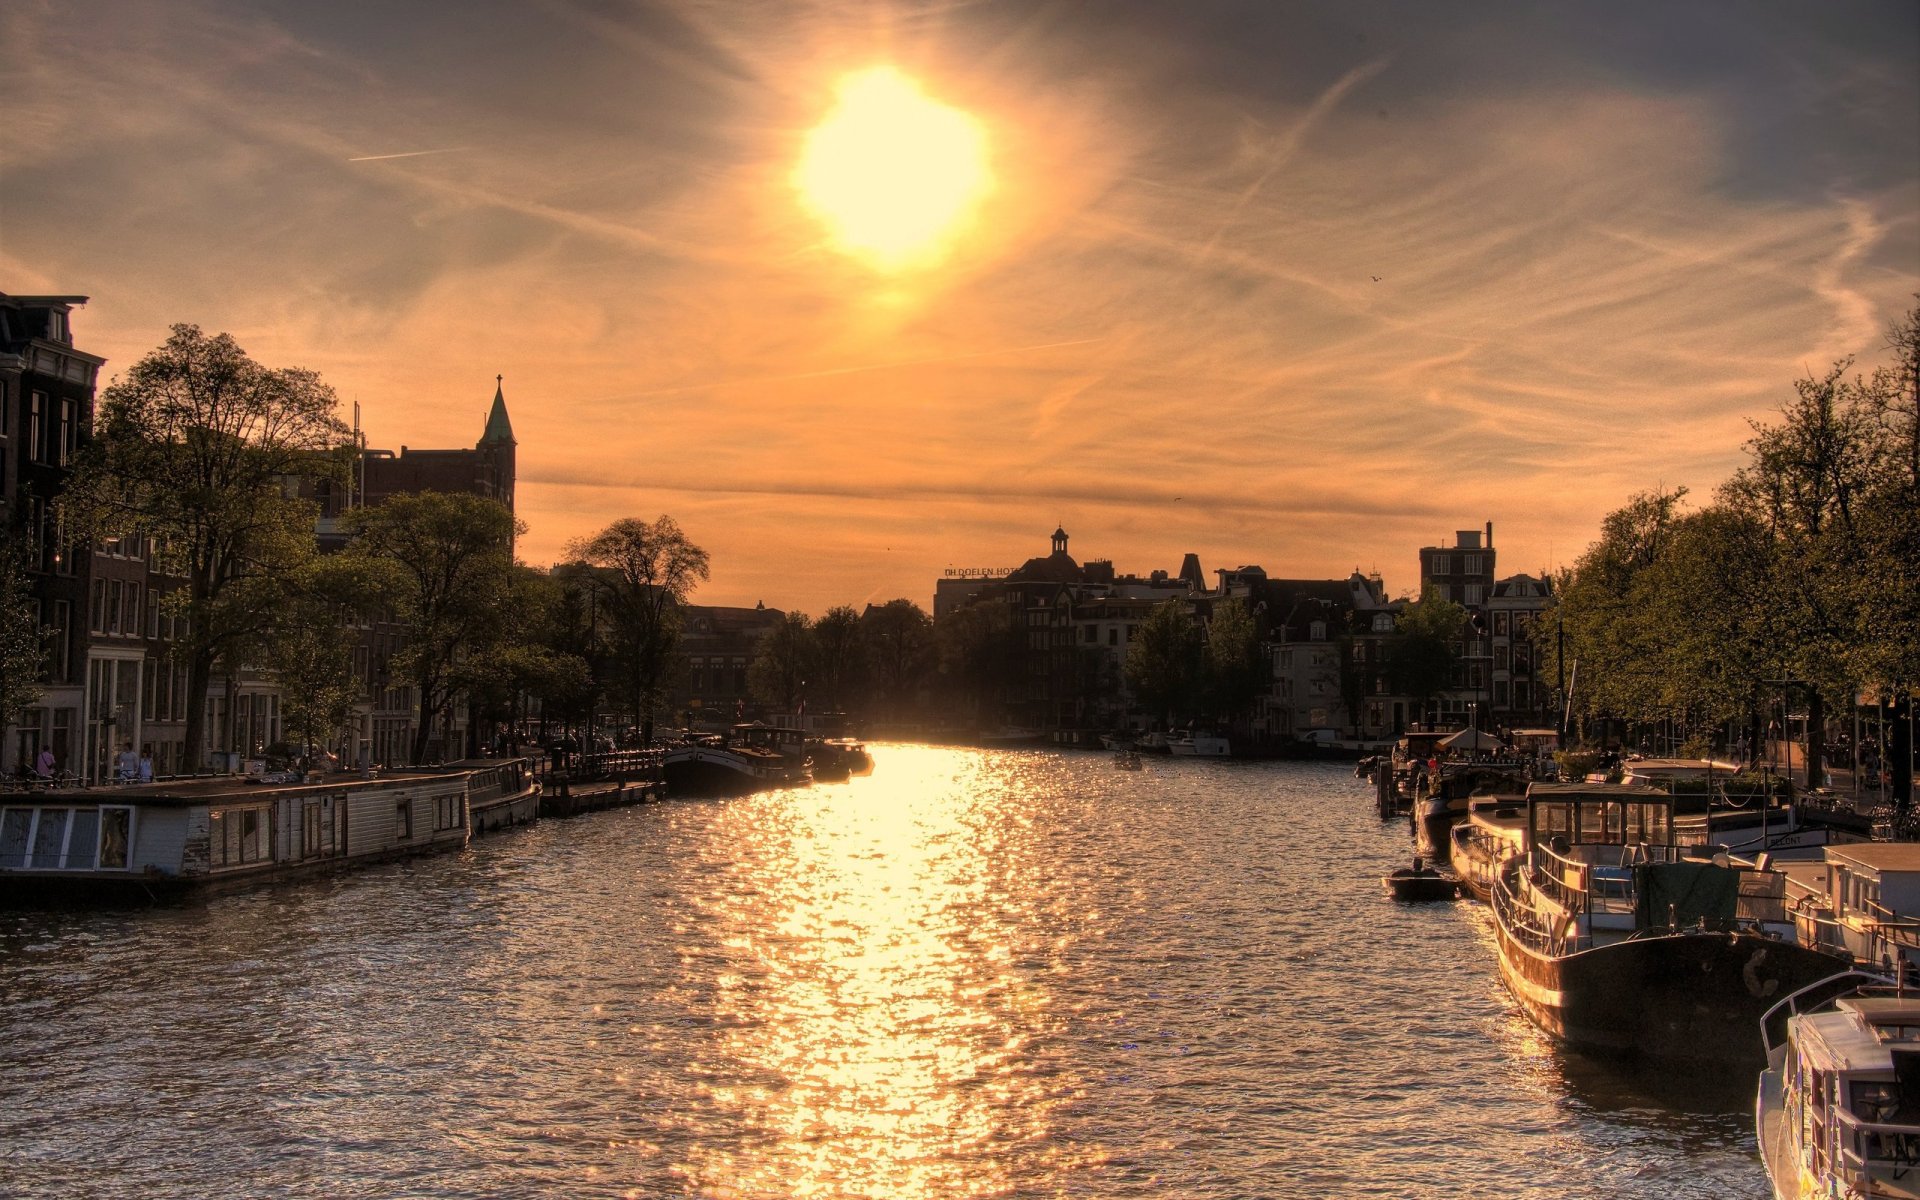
{"type": "Point", "coordinates": [895, 175]}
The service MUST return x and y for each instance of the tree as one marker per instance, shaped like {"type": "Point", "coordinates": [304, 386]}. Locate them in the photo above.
{"type": "Point", "coordinates": [445, 564]}
{"type": "Point", "coordinates": [1423, 653]}
{"type": "Point", "coordinates": [899, 640]}
{"type": "Point", "coordinates": [645, 573]}
{"type": "Point", "coordinates": [22, 652]}
{"type": "Point", "coordinates": [1238, 670]}
{"type": "Point", "coordinates": [788, 655]}
{"type": "Point", "coordinates": [307, 649]}
{"type": "Point", "coordinates": [1598, 622]}
{"type": "Point", "coordinates": [840, 670]}
{"type": "Point", "coordinates": [1165, 663]}
{"type": "Point", "coordinates": [1807, 483]}
{"type": "Point", "coordinates": [195, 447]}
{"type": "Point", "coordinates": [978, 653]}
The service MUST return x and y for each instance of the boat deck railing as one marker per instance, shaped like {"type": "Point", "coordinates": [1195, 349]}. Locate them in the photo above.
{"type": "Point", "coordinates": [632, 766]}
{"type": "Point", "coordinates": [1528, 925]}
{"type": "Point", "coordinates": [1869, 1150]}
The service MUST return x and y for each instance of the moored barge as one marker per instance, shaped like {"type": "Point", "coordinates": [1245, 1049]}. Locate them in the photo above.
{"type": "Point", "coordinates": [1615, 938]}
{"type": "Point", "coordinates": [199, 836]}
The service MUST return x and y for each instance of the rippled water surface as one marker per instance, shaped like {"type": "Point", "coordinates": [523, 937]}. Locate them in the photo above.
{"type": "Point", "coordinates": [971, 974]}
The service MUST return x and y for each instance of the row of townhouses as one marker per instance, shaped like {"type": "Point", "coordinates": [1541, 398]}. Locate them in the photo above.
{"type": "Point", "coordinates": [1329, 640]}
{"type": "Point", "coordinates": [111, 683]}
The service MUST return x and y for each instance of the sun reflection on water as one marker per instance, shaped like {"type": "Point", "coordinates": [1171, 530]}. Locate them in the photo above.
{"type": "Point", "coordinates": [880, 1008]}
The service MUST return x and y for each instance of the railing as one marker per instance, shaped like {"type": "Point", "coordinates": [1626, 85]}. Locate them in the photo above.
{"type": "Point", "coordinates": [1566, 880]}
{"type": "Point", "coordinates": [1523, 924]}
{"type": "Point", "coordinates": [1824, 992]}
{"type": "Point", "coordinates": [1865, 1145]}
{"type": "Point", "coordinates": [630, 765]}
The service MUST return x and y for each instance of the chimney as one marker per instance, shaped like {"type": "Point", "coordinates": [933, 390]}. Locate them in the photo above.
{"type": "Point", "coordinates": [1489, 535]}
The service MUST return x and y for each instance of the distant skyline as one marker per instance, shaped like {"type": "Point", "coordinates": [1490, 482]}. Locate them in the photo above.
{"type": "Point", "coordinates": [1307, 286]}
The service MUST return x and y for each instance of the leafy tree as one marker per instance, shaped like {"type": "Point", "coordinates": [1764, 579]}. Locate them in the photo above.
{"type": "Point", "coordinates": [788, 654]}
{"type": "Point", "coordinates": [1808, 481]}
{"type": "Point", "coordinates": [1423, 652]}
{"type": "Point", "coordinates": [840, 672]}
{"type": "Point", "coordinates": [1166, 661]}
{"type": "Point", "coordinates": [194, 449]}
{"type": "Point", "coordinates": [645, 572]}
{"type": "Point", "coordinates": [446, 567]}
{"type": "Point", "coordinates": [899, 641]}
{"type": "Point", "coordinates": [307, 649]}
{"type": "Point", "coordinates": [977, 649]}
{"type": "Point", "coordinates": [22, 654]}
{"type": "Point", "coordinates": [1238, 670]}
{"type": "Point", "coordinates": [1597, 621]}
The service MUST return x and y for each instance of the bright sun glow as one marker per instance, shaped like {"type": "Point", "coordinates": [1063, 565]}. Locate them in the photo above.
{"type": "Point", "coordinates": [894, 174]}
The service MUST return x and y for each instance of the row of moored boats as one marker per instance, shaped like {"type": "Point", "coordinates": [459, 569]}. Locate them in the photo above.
{"type": "Point", "coordinates": [1632, 921]}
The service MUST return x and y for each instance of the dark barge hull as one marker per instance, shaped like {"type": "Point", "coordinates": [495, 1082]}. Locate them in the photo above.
{"type": "Point", "coordinates": [1683, 997]}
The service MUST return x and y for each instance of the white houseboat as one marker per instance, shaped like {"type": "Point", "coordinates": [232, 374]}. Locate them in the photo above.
{"type": "Point", "coordinates": [215, 834]}
{"type": "Point", "coordinates": [1838, 1109]}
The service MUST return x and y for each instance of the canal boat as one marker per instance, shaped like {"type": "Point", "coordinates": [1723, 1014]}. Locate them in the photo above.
{"type": "Point", "coordinates": [1189, 743]}
{"type": "Point", "coordinates": [1432, 817]}
{"type": "Point", "coordinates": [1837, 1112]}
{"type": "Point", "coordinates": [1615, 938]}
{"type": "Point", "coordinates": [1480, 847]}
{"type": "Point", "coordinates": [500, 794]}
{"type": "Point", "coordinates": [751, 759]}
{"type": "Point", "coordinates": [203, 835]}
{"type": "Point", "coordinates": [1421, 883]}
{"type": "Point", "coordinates": [835, 760]}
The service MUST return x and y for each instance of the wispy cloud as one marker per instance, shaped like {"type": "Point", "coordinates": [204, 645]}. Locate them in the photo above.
{"type": "Point", "coordinates": [406, 154]}
{"type": "Point", "coordinates": [1591, 268]}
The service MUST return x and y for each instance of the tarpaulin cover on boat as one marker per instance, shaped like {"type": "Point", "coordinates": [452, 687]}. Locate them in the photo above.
{"type": "Point", "coordinates": [1681, 893]}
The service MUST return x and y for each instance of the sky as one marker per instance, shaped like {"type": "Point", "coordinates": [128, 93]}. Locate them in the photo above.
{"type": "Point", "coordinates": [1307, 286]}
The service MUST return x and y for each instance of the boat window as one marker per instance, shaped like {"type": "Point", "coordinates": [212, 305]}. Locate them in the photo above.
{"type": "Point", "coordinates": [1647, 823]}
{"type": "Point", "coordinates": [50, 839]}
{"type": "Point", "coordinates": [116, 828]}
{"type": "Point", "coordinates": [1874, 1102]}
{"type": "Point", "coordinates": [1549, 819]}
{"type": "Point", "coordinates": [83, 841]}
{"type": "Point", "coordinates": [236, 836]}
{"type": "Point", "coordinates": [14, 826]}
{"type": "Point", "coordinates": [1593, 822]}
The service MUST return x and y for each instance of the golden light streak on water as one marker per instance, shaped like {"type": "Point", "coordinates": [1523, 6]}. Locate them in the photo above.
{"type": "Point", "coordinates": [881, 1008]}
{"type": "Point", "coordinates": [1022, 975]}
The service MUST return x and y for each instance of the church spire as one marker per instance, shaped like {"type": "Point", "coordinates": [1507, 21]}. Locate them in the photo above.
{"type": "Point", "coordinates": [499, 429]}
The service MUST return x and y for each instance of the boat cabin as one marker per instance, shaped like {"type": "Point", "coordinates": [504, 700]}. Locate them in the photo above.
{"type": "Point", "coordinates": [1665, 772]}
{"type": "Point", "coordinates": [1850, 1098]}
{"type": "Point", "coordinates": [1869, 906]}
{"type": "Point", "coordinates": [1606, 861]}
{"type": "Point", "coordinates": [211, 834]}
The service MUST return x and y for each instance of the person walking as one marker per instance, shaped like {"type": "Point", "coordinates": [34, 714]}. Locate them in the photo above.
{"type": "Point", "coordinates": [146, 764]}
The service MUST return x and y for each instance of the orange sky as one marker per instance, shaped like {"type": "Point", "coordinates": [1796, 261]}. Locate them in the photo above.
{"type": "Point", "coordinates": [1306, 288]}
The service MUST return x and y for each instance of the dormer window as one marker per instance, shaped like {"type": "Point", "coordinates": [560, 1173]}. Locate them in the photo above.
{"type": "Point", "coordinates": [1317, 631]}
{"type": "Point", "coordinates": [1383, 622]}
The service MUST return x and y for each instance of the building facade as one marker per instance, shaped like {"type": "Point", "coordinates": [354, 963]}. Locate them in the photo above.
{"type": "Point", "coordinates": [46, 409]}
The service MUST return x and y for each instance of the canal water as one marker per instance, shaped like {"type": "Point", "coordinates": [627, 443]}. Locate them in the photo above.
{"type": "Point", "coordinates": [970, 974]}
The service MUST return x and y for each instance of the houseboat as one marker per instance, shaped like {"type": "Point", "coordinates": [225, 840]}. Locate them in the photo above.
{"type": "Point", "coordinates": [1862, 901]}
{"type": "Point", "coordinates": [1191, 743]}
{"type": "Point", "coordinates": [500, 794]}
{"type": "Point", "coordinates": [1614, 937]}
{"type": "Point", "coordinates": [751, 759]}
{"type": "Point", "coordinates": [1838, 1108]}
{"type": "Point", "coordinates": [206, 835]}
{"type": "Point", "coordinates": [1479, 848]}
{"type": "Point", "coordinates": [1433, 816]}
